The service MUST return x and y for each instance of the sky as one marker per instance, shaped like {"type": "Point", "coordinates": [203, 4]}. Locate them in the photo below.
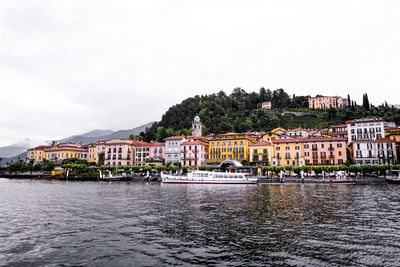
{"type": "Point", "coordinates": [69, 67]}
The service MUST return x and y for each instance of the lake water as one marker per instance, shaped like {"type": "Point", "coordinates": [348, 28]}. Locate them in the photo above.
{"type": "Point", "coordinates": [149, 224]}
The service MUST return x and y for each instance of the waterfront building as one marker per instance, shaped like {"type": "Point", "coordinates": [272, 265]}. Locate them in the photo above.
{"type": "Point", "coordinates": [141, 152]}
{"type": "Point", "coordinates": [297, 133]}
{"type": "Point", "coordinates": [288, 152]}
{"type": "Point", "coordinates": [157, 153]}
{"type": "Point", "coordinates": [324, 151]}
{"type": "Point", "coordinates": [229, 146]}
{"type": "Point", "coordinates": [58, 152]}
{"type": "Point", "coordinates": [266, 105]}
{"type": "Point", "coordinates": [365, 130]}
{"type": "Point", "coordinates": [196, 127]}
{"type": "Point", "coordinates": [95, 150]}
{"type": "Point", "coordinates": [394, 135]}
{"type": "Point", "coordinates": [261, 154]}
{"type": "Point", "coordinates": [173, 149]}
{"type": "Point", "coordinates": [194, 152]}
{"type": "Point", "coordinates": [119, 152]}
{"type": "Point", "coordinates": [371, 152]}
{"type": "Point", "coordinates": [36, 154]}
{"type": "Point", "coordinates": [322, 102]}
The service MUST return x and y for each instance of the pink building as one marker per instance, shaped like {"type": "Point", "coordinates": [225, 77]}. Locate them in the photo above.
{"type": "Point", "coordinates": [157, 153]}
{"type": "Point", "coordinates": [194, 153]}
{"type": "Point", "coordinates": [118, 152]}
{"type": "Point", "coordinates": [323, 151]}
{"type": "Point", "coordinates": [321, 102]}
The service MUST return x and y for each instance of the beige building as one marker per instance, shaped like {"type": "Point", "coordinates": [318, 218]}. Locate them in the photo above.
{"type": "Point", "coordinates": [266, 105]}
{"type": "Point", "coordinates": [94, 151]}
{"type": "Point", "coordinates": [321, 102]}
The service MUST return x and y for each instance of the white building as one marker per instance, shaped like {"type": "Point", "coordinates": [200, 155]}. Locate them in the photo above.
{"type": "Point", "coordinates": [380, 151]}
{"type": "Point", "coordinates": [365, 130]}
{"type": "Point", "coordinates": [173, 149]}
{"type": "Point", "coordinates": [297, 133]}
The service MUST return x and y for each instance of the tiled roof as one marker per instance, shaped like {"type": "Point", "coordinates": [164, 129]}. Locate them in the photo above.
{"type": "Point", "coordinates": [297, 129]}
{"type": "Point", "coordinates": [261, 144]}
{"type": "Point", "coordinates": [293, 140]}
{"type": "Point", "coordinates": [365, 120]}
{"type": "Point", "coordinates": [323, 139]}
{"type": "Point", "coordinates": [174, 137]}
{"type": "Point", "coordinates": [384, 140]}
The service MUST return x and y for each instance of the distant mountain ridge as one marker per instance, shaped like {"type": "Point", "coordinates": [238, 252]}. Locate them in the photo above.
{"type": "Point", "coordinates": [101, 135]}
{"type": "Point", "coordinates": [15, 149]}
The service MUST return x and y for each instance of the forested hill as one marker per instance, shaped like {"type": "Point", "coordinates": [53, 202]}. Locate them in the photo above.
{"type": "Point", "coordinates": [240, 112]}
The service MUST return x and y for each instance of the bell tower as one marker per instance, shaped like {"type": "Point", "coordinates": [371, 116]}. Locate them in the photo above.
{"type": "Point", "coordinates": [196, 126]}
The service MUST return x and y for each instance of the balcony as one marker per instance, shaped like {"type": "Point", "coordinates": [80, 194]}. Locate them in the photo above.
{"type": "Point", "coordinates": [331, 156]}
{"type": "Point", "coordinates": [314, 149]}
{"type": "Point", "coordinates": [315, 156]}
{"type": "Point", "coordinates": [287, 157]}
{"type": "Point", "coordinates": [331, 148]}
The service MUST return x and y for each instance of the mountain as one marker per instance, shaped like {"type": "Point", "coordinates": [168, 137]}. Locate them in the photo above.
{"type": "Point", "coordinates": [100, 135]}
{"type": "Point", "coordinates": [15, 149]}
{"type": "Point", "coordinates": [10, 160]}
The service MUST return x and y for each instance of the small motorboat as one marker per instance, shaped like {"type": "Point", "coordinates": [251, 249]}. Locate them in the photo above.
{"type": "Point", "coordinates": [393, 178]}
{"type": "Point", "coordinates": [48, 179]}
{"type": "Point", "coordinates": [341, 178]}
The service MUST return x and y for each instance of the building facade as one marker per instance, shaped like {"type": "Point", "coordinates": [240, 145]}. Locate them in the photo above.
{"type": "Point", "coordinates": [261, 154]}
{"type": "Point", "coordinates": [297, 133]}
{"type": "Point", "coordinates": [325, 151]}
{"type": "Point", "coordinates": [229, 146]}
{"type": "Point", "coordinates": [141, 153]}
{"type": "Point", "coordinates": [322, 102]}
{"type": "Point", "coordinates": [365, 130]}
{"type": "Point", "coordinates": [95, 150]}
{"type": "Point", "coordinates": [36, 154]}
{"type": "Point", "coordinates": [288, 152]}
{"type": "Point", "coordinates": [119, 152]}
{"type": "Point", "coordinates": [194, 153]}
{"type": "Point", "coordinates": [266, 105]}
{"type": "Point", "coordinates": [58, 153]}
{"type": "Point", "coordinates": [173, 149]}
{"type": "Point", "coordinates": [157, 153]}
{"type": "Point", "coordinates": [380, 151]}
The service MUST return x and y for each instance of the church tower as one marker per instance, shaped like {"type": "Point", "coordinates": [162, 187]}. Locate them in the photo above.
{"type": "Point", "coordinates": [196, 127]}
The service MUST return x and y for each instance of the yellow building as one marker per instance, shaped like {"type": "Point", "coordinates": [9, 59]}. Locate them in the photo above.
{"type": "Point", "coordinates": [234, 146]}
{"type": "Point", "coordinates": [36, 154]}
{"type": "Point", "coordinates": [261, 154]}
{"type": "Point", "coordinates": [269, 137]}
{"type": "Point", "coordinates": [94, 151]}
{"type": "Point", "coordinates": [288, 152]}
{"type": "Point", "coordinates": [61, 152]}
{"type": "Point", "coordinates": [279, 131]}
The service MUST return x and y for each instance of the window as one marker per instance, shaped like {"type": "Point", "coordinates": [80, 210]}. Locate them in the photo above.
{"type": "Point", "coordinates": [306, 146]}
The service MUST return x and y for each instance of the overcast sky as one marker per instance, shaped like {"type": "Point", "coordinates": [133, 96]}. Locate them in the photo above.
{"type": "Point", "coordinates": [68, 67]}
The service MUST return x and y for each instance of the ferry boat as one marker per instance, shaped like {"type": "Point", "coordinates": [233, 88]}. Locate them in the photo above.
{"type": "Point", "coordinates": [207, 177]}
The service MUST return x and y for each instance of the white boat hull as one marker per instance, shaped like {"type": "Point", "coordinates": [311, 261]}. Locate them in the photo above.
{"type": "Point", "coordinates": [171, 179]}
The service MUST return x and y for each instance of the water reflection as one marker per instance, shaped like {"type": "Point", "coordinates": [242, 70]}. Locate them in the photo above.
{"type": "Point", "coordinates": [142, 224]}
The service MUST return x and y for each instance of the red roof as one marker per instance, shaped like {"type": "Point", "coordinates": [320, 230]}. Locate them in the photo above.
{"type": "Point", "coordinates": [364, 120]}
{"type": "Point", "coordinates": [261, 144]}
{"type": "Point", "coordinates": [385, 140]}
{"type": "Point", "coordinates": [293, 140]}
{"type": "Point", "coordinates": [323, 139]}
{"type": "Point", "coordinates": [297, 129]}
{"type": "Point", "coordinates": [40, 148]}
{"type": "Point", "coordinates": [140, 143]}
{"type": "Point", "coordinates": [174, 137]}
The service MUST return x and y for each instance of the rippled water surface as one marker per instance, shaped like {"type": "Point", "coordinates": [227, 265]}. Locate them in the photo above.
{"type": "Point", "coordinates": [150, 224]}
